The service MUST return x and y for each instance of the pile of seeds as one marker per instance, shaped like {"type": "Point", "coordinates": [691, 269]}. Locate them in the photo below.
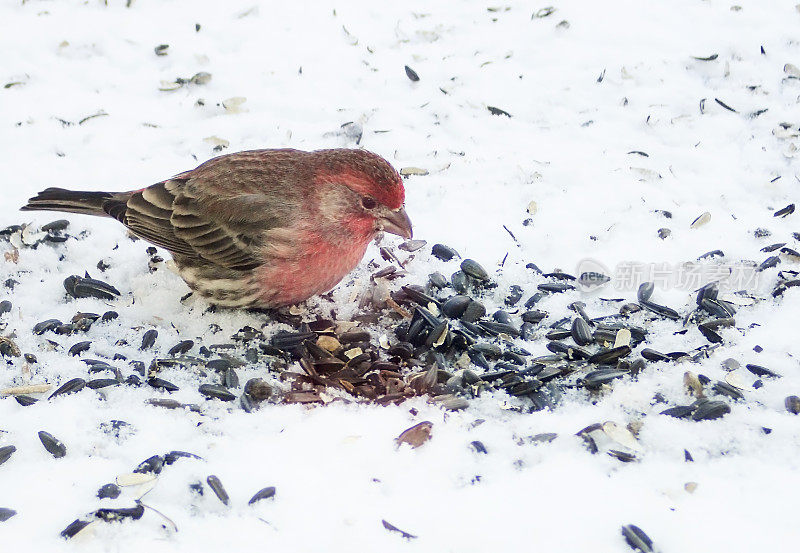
{"type": "Point", "coordinates": [450, 339]}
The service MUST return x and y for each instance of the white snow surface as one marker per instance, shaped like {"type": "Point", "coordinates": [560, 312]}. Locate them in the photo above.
{"type": "Point", "coordinates": [305, 70]}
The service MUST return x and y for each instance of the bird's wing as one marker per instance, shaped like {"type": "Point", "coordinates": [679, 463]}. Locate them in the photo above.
{"type": "Point", "coordinates": [219, 212]}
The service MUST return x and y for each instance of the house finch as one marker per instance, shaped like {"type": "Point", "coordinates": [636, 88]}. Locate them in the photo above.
{"type": "Point", "coordinates": [260, 228]}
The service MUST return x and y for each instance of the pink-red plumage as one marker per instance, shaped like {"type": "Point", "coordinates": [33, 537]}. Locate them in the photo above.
{"type": "Point", "coordinates": [260, 228]}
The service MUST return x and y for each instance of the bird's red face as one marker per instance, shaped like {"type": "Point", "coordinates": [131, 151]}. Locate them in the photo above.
{"type": "Point", "coordinates": [367, 193]}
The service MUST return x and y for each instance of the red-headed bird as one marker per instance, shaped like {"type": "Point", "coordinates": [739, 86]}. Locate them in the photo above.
{"type": "Point", "coordinates": [260, 228]}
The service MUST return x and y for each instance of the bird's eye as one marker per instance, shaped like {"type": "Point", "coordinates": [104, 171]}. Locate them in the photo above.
{"type": "Point", "coordinates": [368, 203]}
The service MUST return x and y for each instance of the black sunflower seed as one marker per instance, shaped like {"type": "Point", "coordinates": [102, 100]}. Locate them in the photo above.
{"type": "Point", "coordinates": [637, 539]}
{"type": "Point", "coordinates": [264, 493]}
{"type": "Point", "coordinates": [148, 339]}
{"type": "Point", "coordinates": [109, 316]}
{"type": "Point", "coordinates": [74, 527]}
{"type": "Point", "coordinates": [555, 287]}
{"type": "Point", "coordinates": [113, 515]}
{"type": "Point", "coordinates": [80, 287]}
{"type": "Point", "coordinates": [710, 410]}
{"type": "Point", "coordinates": [174, 455]}
{"type": "Point", "coordinates": [581, 332]}
{"type": "Point", "coordinates": [437, 280]}
{"type": "Point", "coordinates": [783, 212]}
{"type": "Point", "coordinates": [662, 310]}
{"type": "Point", "coordinates": [181, 347]}
{"type": "Point", "coordinates": [151, 465]}
{"type": "Point", "coordinates": [216, 486]}
{"type": "Point", "coordinates": [5, 307]}
{"type": "Point", "coordinates": [709, 334]}
{"type": "Point", "coordinates": [772, 247]}
{"type": "Point", "coordinates": [445, 253]}
{"type": "Point", "coordinates": [45, 326]}
{"type": "Point", "coordinates": [69, 387]}
{"type": "Point", "coordinates": [758, 370]}
{"type": "Point", "coordinates": [474, 311]}
{"type": "Point", "coordinates": [515, 293]}
{"type": "Point", "coordinates": [109, 491]}
{"type": "Point", "coordinates": [6, 513]}
{"type": "Point", "coordinates": [679, 412]}
{"type": "Point", "coordinates": [230, 379]}
{"type": "Point", "coordinates": [79, 348]}
{"type": "Point", "coordinates": [161, 384]}
{"type": "Point", "coordinates": [6, 452]}
{"type": "Point", "coordinates": [609, 356]}
{"type": "Point", "coordinates": [474, 269]}
{"type": "Point", "coordinates": [768, 263]}
{"type": "Point", "coordinates": [792, 404]}
{"type": "Point", "coordinates": [52, 444]}
{"type": "Point", "coordinates": [726, 389]}
{"type": "Point", "coordinates": [25, 401]}
{"type": "Point", "coordinates": [417, 295]}
{"type": "Point", "coordinates": [214, 391]}
{"type": "Point", "coordinates": [411, 74]}
{"type": "Point", "coordinates": [595, 379]}
{"type": "Point", "coordinates": [645, 291]}
{"type": "Point", "coordinates": [99, 383]}
{"type": "Point", "coordinates": [653, 355]}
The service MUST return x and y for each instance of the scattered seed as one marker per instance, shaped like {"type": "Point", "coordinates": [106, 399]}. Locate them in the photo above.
{"type": "Point", "coordinates": [416, 435]}
{"type": "Point", "coordinates": [219, 490]}
{"type": "Point", "coordinates": [52, 444]}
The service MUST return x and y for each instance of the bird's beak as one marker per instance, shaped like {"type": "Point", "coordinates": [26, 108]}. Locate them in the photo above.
{"type": "Point", "coordinates": [397, 222]}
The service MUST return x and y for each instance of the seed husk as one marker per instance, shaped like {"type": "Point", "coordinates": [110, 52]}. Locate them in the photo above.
{"type": "Point", "coordinates": [214, 391]}
{"type": "Point", "coordinates": [758, 370]}
{"type": "Point", "coordinates": [109, 491]}
{"type": "Point", "coordinates": [52, 444]}
{"type": "Point", "coordinates": [392, 528]}
{"type": "Point", "coordinates": [637, 539]}
{"type": "Point", "coordinates": [679, 412]}
{"type": "Point", "coordinates": [793, 404]}
{"type": "Point", "coordinates": [69, 387]}
{"type": "Point", "coordinates": [80, 287]}
{"type": "Point", "coordinates": [6, 513]}
{"type": "Point", "coordinates": [264, 493]}
{"type": "Point", "coordinates": [219, 490]}
{"type": "Point", "coordinates": [701, 220]}
{"type": "Point", "coordinates": [416, 435]}
{"type": "Point", "coordinates": [6, 452]}
{"type": "Point", "coordinates": [148, 339]}
{"type": "Point", "coordinates": [710, 410]}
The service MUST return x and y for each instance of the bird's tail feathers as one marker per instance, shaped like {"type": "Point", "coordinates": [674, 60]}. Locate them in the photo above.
{"type": "Point", "coordinates": [71, 201]}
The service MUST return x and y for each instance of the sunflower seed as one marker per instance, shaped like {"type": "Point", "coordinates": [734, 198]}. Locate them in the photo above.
{"type": "Point", "coordinates": [219, 490]}
{"type": "Point", "coordinates": [52, 444]}
{"type": "Point", "coordinates": [416, 435]}
{"type": "Point", "coordinates": [69, 387]}
{"type": "Point", "coordinates": [710, 410]}
{"type": "Point", "coordinates": [474, 269]}
{"type": "Point", "coordinates": [783, 212]}
{"type": "Point", "coordinates": [581, 332]}
{"type": "Point", "coordinates": [109, 491]}
{"type": "Point", "coordinates": [701, 220]}
{"type": "Point", "coordinates": [214, 391]}
{"type": "Point", "coordinates": [148, 339]}
{"type": "Point", "coordinates": [6, 513]}
{"type": "Point", "coordinates": [793, 404]}
{"type": "Point", "coordinates": [6, 452]}
{"type": "Point", "coordinates": [758, 370]}
{"type": "Point", "coordinates": [264, 493]}
{"type": "Point", "coordinates": [445, 253]}
{"type": "Point", "coordinates": [79, 287]}
{"type": "Point", "coordinates": [637, 539]}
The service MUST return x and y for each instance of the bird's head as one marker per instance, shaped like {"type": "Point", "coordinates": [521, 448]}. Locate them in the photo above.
{"type": "Point", "coordinates": [361, 191]}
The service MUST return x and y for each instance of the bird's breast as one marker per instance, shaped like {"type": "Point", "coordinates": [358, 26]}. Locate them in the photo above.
{"type": "Point", "coordinates": [310, 267]}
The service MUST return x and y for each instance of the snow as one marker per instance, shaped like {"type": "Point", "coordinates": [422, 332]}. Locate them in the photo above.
{"type": "Point", "coordinates": [307, 69]}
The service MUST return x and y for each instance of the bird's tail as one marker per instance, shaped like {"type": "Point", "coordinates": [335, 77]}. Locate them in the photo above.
{"type": "Point", "coordinates": [71, 201]}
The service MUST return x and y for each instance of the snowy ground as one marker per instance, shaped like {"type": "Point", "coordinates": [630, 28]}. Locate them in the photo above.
{"type": "Point", "coordinates": [585, 86]}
